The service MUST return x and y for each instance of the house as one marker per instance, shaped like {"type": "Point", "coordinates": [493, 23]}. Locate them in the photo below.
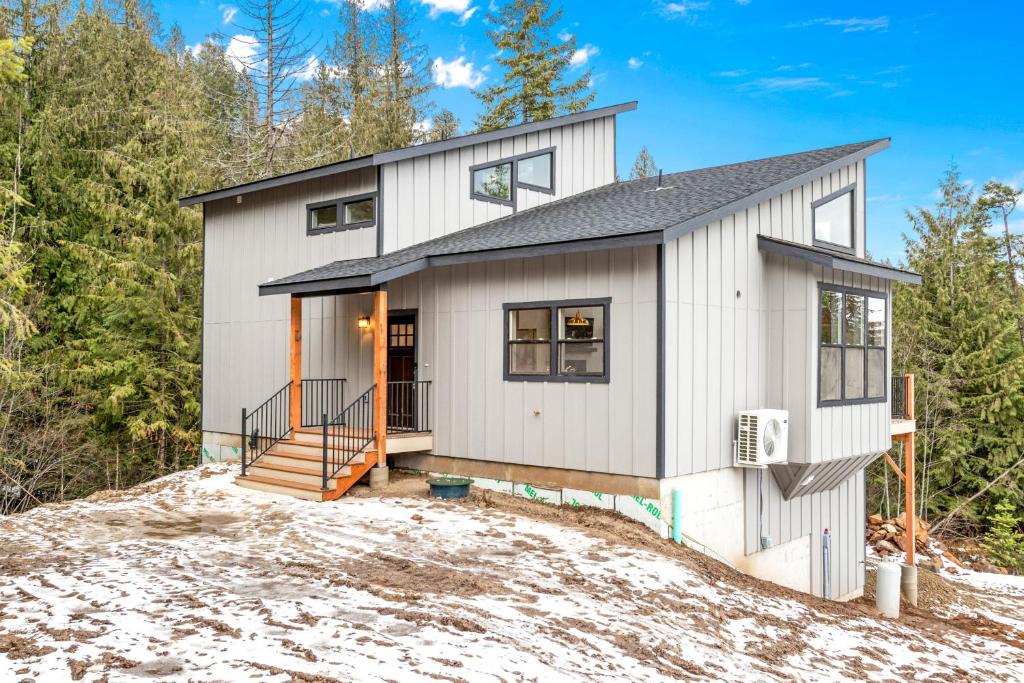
{"type": "Point", "coordinates": [498, 305]}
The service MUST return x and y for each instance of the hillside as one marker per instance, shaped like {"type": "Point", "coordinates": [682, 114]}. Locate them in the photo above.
{"type": "Point", "coordinates": [192, 578]}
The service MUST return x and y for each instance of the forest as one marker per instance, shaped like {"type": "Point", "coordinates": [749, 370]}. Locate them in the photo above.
{"type": "Point", "coordinates": [107, 118]}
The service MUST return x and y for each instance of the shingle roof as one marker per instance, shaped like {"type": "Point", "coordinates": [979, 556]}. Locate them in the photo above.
{"type": "Point", "coordinates": [656, 209]}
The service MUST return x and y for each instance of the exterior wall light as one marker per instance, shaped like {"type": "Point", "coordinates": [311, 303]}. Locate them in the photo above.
{"type": "Point", "coordinates": [363, 323]}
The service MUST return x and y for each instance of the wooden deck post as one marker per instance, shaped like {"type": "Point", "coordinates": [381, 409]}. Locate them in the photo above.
{"type": "Point", "coordinates": [380, 374]}
{"type": "Point", "coordinates": [295, 365]}
{"type": "Point", "coordinates": [908, 460]}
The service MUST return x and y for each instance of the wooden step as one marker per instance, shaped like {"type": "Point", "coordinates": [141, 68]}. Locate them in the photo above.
{"type": "Point", "coordinates": [316, 437]}
{"type": "Point", "coordinates": [299, 475]}
{"type": "Point", "coordinates": [307, 459]}
{"type": "Point", "coordinates": [288, 488]}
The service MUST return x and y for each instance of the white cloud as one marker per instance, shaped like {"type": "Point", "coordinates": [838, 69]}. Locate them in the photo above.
{"type": "Point", "coordinates": [241, 51]}
{"type": "Point", "coordinates": [564, 35]}
{"type": "Point", "coordinates": [424, 126]}
{"type": "Point", "coordinates": [634, 63]}
{"type": "Point", "coordinates": [684, 8]}
{"type": "Point", "coordinates": [308, 70]}
{"type": "Point", "coordinates": [732, 73]}
{"type": "Point", "coordinates": [770, 85]}
{"type": "Point", "coordinates": [583, 55]}
{"type": "Point", "coordinates": [227, 13]}
{"type": "Point", "coordinates": [461, 8]}
{"type": "Point", "coordinates": [853, 25]}
{"type": "Point", "coordinates": [458, 73]}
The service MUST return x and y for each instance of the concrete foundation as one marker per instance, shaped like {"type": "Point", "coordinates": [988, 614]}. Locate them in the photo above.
{"type": "Point", "coordinates": [379, 477]}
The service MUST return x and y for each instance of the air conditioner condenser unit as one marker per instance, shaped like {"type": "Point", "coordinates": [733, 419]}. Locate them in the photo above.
{"type": "Point", "coordinates": [762, 438]}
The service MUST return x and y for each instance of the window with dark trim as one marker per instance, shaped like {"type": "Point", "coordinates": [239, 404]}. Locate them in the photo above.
{"type": "Point", "coordinates": [345, 213]}
{"type": "Point", "coordinates": [497, 181]}
{"type": "Point", "coordinates": [557, 341]}
{"type": "Point", "coordinates": [852, 353]}
{"type": "Point", "coordinates": [832, 218]}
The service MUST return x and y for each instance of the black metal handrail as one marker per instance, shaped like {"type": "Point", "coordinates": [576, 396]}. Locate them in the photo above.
{"type": "Point", "coordinates": [265, 426]}
{"type": "Point", "coordinates": [408, 407]}
{"type": "Point", "coordinates": [320, 396]}
{"type": "Point", "coordinates": [899, 397]}
{"type": "Point", "coordinates": [347, 435]}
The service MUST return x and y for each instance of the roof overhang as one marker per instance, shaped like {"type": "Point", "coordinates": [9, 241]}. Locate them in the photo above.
{"type": "Point", "coordinates": [408, 153]}
{"type": "Point", "coordinates": [726, 210]}
{"type": "Point", "coordinates": [828, 259]}
{"type": "Point", "coordinates": [301, 285]}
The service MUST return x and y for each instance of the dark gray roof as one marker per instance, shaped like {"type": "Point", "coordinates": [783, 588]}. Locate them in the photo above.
{"type": "Point", "coordinates": [646, 211]}
{"type": "Point", "coordinates": [831, 259]}
{"type": "Point", "coordinates": [407, 153]}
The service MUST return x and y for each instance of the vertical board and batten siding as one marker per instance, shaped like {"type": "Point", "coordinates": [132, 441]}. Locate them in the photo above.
{"type": "Point", "coordinates": [427, 197]}
{"type": "Point", "coordinates": [476, 414]}
{"type": "Point", "coordinates": [741, 333]}
{"type": "Point", "coordinates": [245, 336]}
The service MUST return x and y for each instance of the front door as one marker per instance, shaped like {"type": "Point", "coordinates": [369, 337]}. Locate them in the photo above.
{"type": "Point", "coordinates": [402, 372]}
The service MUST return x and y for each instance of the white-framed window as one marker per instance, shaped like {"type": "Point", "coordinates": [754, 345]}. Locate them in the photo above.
{"type": "Point", "coordinates": [557, 341]}
{"type": "Point", "coordinates": [344, 213]}
{"type": "Point", "coordinates": [853, 345]}
{"type": "Point", "coordinates": [832, 217]}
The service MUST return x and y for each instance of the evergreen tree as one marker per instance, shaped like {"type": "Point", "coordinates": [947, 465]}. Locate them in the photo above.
{"type": "Point", "coordinates": [444, 126]}
{"type": "Point", "coordinates": [404, 83]}
{"type": "Point", "coordinates": [355, 54]}
{"type": "Point", "coordinates": [643, 166]}
{"type": "Point", "coordinates": [1001, 200]}
{"type": "Point", "coordinates": [321, 135]}
{"type": "Point", "coordinates": [532, 87]}
{"type": "Point", "coordinates": [1004, 543]}
{"type": "Point", "coordinates": [957, 333]}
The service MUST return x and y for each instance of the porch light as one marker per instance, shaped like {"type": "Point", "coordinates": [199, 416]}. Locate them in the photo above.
{"type": "Point", "coordinates": [363, 322]}
{"type": "Point", "coordinates": [577, 321]}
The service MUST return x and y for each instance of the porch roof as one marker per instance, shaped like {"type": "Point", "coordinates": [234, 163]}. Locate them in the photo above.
{"type": "Point", "coordinates": [830, 259]}
{"type": "Point", "coordinates": [621, 214]}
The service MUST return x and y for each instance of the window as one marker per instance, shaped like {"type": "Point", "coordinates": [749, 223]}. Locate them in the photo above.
{"type": "Point", "coordinates": [535, 172]}
{"type": "Point", "coordinates": [833, 220]}
{"type": "Point", "coordinates": [498, 181]}
{"type": "Point", "coordinates": [852, 346]}
{"type": "Point", "coordinates": [359, 211]}
{"type": "Point", "coordinates": [560, 341]}
{"type": "Point", "coordinates": [493, 182]}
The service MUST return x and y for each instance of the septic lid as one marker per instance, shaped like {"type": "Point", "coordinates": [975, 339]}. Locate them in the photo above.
{"type": "Point", "coordinates": [450, 481]}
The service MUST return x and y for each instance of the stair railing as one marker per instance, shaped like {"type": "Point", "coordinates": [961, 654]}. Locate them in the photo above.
{"type": "Point", "coordinates": [321, 396]}
{"type": "Point", "coordinates": [347, 435]}
{"type": "Point", "coordinates": [265, 426]}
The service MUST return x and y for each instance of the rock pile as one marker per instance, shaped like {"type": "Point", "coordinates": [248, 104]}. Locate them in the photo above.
{"type": "Point", "coordinates": [889, 537]}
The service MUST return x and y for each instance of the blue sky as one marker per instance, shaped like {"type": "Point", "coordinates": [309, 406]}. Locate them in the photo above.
{"type": "Point", "coordinates": [725, 80]}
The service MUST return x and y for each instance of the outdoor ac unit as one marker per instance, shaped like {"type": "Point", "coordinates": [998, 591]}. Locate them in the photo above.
{"type": "Point", "coordinates": [763, 438]}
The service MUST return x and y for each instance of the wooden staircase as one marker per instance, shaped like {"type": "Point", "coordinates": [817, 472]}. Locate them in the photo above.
{"type": "Point", "coordinates": [294, 466]}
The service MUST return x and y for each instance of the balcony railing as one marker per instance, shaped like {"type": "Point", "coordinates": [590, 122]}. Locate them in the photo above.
{"type": "Point", "coordinates": [901, 407]}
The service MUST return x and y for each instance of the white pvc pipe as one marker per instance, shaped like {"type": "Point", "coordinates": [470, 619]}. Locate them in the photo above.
{"type": "Point", "coordinates": [887, 588]}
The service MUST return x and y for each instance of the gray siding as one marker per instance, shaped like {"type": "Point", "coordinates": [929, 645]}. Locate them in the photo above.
{"type": "Point", "coordinates": [841, 510]}
{"type": "Point", "coordinates": [741, 333]}
{"type": "Point", "coordinates": [476, 414]}
{"type": "Point", "coordinates": [245, 336]}
{"type": "Point", "coordinates": [429, 196]}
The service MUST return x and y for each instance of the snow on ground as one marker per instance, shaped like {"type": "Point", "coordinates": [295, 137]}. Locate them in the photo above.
{"type": "Point", "coordinates": [192, 578]}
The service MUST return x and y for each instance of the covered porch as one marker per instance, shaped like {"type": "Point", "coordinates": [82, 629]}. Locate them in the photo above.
{"type": "Point", "coordinates": [317, 436]}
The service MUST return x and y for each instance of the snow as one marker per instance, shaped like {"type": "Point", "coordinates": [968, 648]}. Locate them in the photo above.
{"type": "Point", "coordinates": [193, 578]}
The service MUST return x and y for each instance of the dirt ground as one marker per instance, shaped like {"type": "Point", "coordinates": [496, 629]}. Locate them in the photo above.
{"type": "Point", "coordinates": [193, 578]}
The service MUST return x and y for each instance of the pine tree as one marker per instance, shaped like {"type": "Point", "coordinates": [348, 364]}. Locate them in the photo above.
{"type": "Point", "coordinates": [355, 53]}
{"type": "Point", "coordinates": [404, 83]}
{"type": "Point", "coordinates": [643, 166]}
{"type": "Point", "coordinates": [1004, 543]}
{"type": "Point", "coordinates": [532, 87]}
{"type": "Point", "coordinates": [321, 135]}
{"type": "Point", "coordinates": [277, 58]}
{"type": "Point", "coordinates": [444, 126]}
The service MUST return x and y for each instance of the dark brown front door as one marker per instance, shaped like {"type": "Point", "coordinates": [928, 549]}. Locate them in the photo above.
{"type": "Point", "coordinates": [402, 372]}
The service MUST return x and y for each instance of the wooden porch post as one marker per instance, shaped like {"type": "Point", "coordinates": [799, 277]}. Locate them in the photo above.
{"type": "Point", "coordinates": [380, 374]}
{"type": "Point", "coordinates": [295, 365]}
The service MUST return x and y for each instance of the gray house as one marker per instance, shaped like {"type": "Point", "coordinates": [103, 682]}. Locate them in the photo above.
{"type": "Point", "coordinates": [498, 305]}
